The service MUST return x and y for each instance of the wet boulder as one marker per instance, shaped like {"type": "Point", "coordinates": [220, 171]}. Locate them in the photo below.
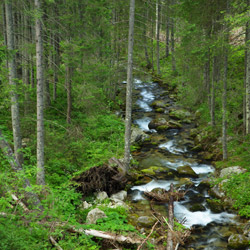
{"type": "Point", "coordinates": [157, 122]}
{"type": "Point", "coordinates": [197, 207]}
{"type": "Point", "coordinates": [155, 170]}
{"type": "Point", "coordinates": [186, 171]}
{"type": "Point", "coordinates": [215, 205]}
{"type": "Point", "coordinates": [138, 136]}
{"type": "Point", "coordinates": [238, 241]}
{"type": "Point", "coordinates": [158, 104]}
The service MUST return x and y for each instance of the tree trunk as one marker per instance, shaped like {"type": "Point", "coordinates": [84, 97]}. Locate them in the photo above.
{"type": "Point", "coordinates": [40, 99]}
{"type": "Point", "coordinates": [173, 42]}
{"type": "Point", "coordinates": [224, 108]}
{"type": "Point", "coordinates": [214, 81]}
{"type": "Point", "coordinates": [170, 245]}
{"type": "Point", "coordinates": [17, 137]}
{"type": "Point", "coordinates": [158, 9]}
{"type": "Point", "coordinates": [167, 35]}
{"type": "Point", "coordinates": [248, 77]}
{"type": "Point", "coordinates": [129, 85]}
{"type": "Point", "coordinates": [69, 95]}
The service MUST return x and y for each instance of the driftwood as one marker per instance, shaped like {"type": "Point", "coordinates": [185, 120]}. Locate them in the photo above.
{"type": "Point", "coordinates": [16, 166]}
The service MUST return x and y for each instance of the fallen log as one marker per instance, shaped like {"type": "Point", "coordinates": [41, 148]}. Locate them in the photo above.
{"type": "Point", "coordinates": [17, 167]}
{"type": "Point", "coordinates": [106, 235]}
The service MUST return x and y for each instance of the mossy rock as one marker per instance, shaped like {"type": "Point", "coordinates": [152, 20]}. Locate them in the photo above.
{"type": "Point", "coordinates": [180, 114]}
{"type": "Point", "coordinates": [238, 241]}
{"type": "Point", "coordinates": [146, 221]}
{"type": "Point", "coordinates": [186, 171]}
{"type": "Point", "coordinates": [160, 110]}
{"type": "Point", "coordinates": [184, 181]}
{"type": "Point", "coordinates": [157, 122]}
{"type": "Point", "coordinates": [174, 124]}
{"type": "Point", "coordinates": [197, 148]}
{"type": "Point", "coordinates": [215, 205]}
{"type": "Point", "coordinates": [162, 128]}
{"type": "Point", "coordinates": [197, 207]}
{"type": "Point", "coordinates": [158, 104]}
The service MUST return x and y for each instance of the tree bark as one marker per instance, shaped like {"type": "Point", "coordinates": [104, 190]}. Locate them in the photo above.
{"type": "Point", "coordinates": [158, 10]}
{"type": "Point", "coordinates": [214, 81]}
{"type": "Point", "coordinates": [129, 85]}
{"type": "Point", "coordinates": [69, 95]}
{"type": "Point", "coordinates": [224, 108]}
{"type": "Point", "coordinates": [40, 98]}
{"type": "Point", "coordinates": [173, 41]}
{"type": "Point", "coordinates": [248, 76]}
{"type": "Point", "coordinates": [170, 245]}
{"type": "Point", "coordinates": [17, 137]}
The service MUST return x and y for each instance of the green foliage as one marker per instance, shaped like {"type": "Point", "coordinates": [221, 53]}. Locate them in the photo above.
{"type": "Point", "coordinates": [238, 186]}
{"type": "Point", "coordinates": [15, 235]}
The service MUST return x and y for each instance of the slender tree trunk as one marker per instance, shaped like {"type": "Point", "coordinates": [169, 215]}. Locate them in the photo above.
{"type": "Point", "coordinates": [40, 92]}
{"type": "Point", "coordinates": [56, 64]}
{"type": "Point", "coordinates": [152, 43]}
{"type": "Point", "coordinates": [69, 95]}
{"type": "Point", "coordinates": [170, 236]}
{"type": "Point", "coordinates": [17, 137]}
{"type": "Point", "coordinates": [129, 85]}
{"type": "Point", "coordinates": [248, 77]}
{"type": "Point", "coordinates": [224, 108]}
{"type": "Point", "coordinates": [158, 10]}
{"type": "Point", "coordinates": [167, 36]}
{"type": "Point", "coordinates": [145, 38]}
{"type": "Point", "coordinates": [173, 41]}
{"type": "Point", "coordinates": [214, 81]}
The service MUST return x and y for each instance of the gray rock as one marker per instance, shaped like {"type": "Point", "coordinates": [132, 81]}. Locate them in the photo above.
{"type": "Point", "coordinates": [157, 122]}
{"type": "Point", "coordinates": [232, 170]}
{"type": "Point", "coordinates": [86, 205]}
{"type": "Point", "coordinates": [101, 196]}
{"type": "Point", "coordinates": [137, 135]}
{"type": "Point", "coordinates": [122, 195]}
{"type": "Point", "coordinates": [146, 221]}
{"type": "Point", "coordinates": [238, 241]}
{"type": "Point", "coordinates": [114, 203]}
{"type": "Point", "coordinates": [94, 215]}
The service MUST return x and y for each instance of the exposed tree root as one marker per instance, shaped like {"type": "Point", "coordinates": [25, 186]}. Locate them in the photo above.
{"type": "Point", "coordinates": [101, 178]}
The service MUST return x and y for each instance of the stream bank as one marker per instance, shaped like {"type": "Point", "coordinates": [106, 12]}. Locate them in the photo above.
{"type": "Point", "coordinates": [165, 156]}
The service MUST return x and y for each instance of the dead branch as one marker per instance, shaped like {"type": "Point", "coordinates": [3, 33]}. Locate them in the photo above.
{"type": "Point", "coordinates": [19, 202]}
{"type": "Point", "coordinates": [152, 230]}
{"type": "Point", "coordinates": [53, 241]}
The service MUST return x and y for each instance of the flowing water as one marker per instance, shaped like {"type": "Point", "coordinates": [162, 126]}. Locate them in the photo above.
{"type": "Point", "coordinates": [171, 149]}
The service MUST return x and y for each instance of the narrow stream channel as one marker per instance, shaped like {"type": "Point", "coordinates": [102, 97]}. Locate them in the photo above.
{"type": "Point", "coordinates": [171, 149]}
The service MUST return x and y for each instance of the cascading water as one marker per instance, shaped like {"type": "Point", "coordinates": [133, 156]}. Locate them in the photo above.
{"type": "Point", "coordinates": [171, 152]}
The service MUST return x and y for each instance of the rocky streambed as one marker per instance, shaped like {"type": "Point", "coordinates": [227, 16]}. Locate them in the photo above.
{"type": "Point", "coordinates": [163, 131]}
